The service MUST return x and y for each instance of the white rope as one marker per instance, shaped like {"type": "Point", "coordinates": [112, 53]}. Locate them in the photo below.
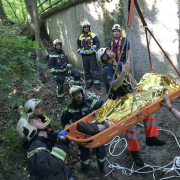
{"type": "Point", "coordinates": [172, 166]}
{"type": "Point", "coordinates": [119, 139]}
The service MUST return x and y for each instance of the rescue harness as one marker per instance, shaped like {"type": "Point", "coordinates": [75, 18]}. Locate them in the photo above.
{"type": "Point", "coordinates": [119, 45]}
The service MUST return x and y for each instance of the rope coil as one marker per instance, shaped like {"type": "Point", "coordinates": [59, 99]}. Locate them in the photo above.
{"type": "Point", "coordinates": [173, 166]}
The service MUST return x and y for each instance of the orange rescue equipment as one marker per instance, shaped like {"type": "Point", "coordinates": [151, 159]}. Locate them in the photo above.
{"type": "Point", "coordinates": [119, 44]}
{"type": "Point", "coordinates": [118, 128]}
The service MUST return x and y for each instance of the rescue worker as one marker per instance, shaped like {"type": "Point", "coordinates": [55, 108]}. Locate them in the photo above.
{"type": "Point", "coordinates": [44, 161]}
{"type": "Point", "coordinates": [35, 106]}
{"type": "Point", "coordinates": [79, 108]}
{"type": "Point", "coordinates": [107, 57]}
{"type": "Point", "coordinates": [168, 105]}
{"type": "Point", "coordinates": [60, 68]}
{"type": "Point", "coordinates": [86, 46]}
{"type": "Point", "coordinates": [117, 43]}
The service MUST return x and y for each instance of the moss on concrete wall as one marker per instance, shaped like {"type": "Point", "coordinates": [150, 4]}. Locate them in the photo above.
{"type": "Point", "coordinates": [111, 18]}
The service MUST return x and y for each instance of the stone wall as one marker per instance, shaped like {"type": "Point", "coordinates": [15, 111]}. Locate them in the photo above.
{"type": "Point", "coordinates": [162, 18]}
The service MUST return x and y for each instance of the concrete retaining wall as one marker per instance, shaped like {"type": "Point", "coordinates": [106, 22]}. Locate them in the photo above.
{"type": "Point", "coordinates": [162, 17]}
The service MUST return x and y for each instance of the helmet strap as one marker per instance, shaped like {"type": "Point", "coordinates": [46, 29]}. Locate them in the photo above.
{"type": "Point", "coordinates": [38, 130]}
{"type": "Point", "coordinates": [104, 61]}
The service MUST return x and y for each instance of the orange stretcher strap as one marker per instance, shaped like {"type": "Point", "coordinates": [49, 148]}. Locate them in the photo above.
{"type": "Point", "coordinates": [145, 113]}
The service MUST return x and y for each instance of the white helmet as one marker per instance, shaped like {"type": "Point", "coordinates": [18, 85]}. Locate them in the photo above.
{"type": "Point", "coordinates": [99, 53]}
{"type": "Point", "coordinates": [30, 105]}
{"type": "Point", "coordinates": [56, 41]}
{"type": "Point", "coordinates": [24, 129]}
{"type": "Point", "coordinates": [116, 26]}
{"type": "Point", "coordinates": [85, 23]}
{"type": "Point", "coordinates": [75, 88]}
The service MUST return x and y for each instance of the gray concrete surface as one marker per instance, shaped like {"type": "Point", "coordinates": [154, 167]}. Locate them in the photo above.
{"type": "Point", "coordinates": [162, 17]}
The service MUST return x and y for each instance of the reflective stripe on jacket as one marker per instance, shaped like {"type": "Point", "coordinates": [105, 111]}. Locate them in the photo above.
{"type": "Point", "coordinates": [58, 61]}
{"type": "Point", "coordinates": [75, 112]}
{"type": "Point", "coordinates": [86, 42]}
{"type": "Point", "coordinates": [45, 164]}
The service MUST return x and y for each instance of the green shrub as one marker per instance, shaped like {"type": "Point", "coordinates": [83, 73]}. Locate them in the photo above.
{"type": "Point", "coordinates": [17, 65]}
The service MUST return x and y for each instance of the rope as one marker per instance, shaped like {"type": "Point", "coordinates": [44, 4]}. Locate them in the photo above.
{"type": "Point", "coordinates": [128, 36]}
{"type": "Point", "coordinates": [132, 71]}
{"type": "Point", "coordinates": [83, 68]}
{"type": "Point", "coordinates": [173, 166]}
{"type": "Point", "coordinates": [116, 67]}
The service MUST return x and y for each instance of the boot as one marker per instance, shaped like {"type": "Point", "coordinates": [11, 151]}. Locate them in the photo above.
{"type": "Point", "coordinates": [60, 90]}
{"type": "Point", "coordinates": [90, 129]}
{"type": "Point", "coordinates": [85, 168]}
{"type": "Point", "coordinates": [89, 84]}
{"type": "Point", "coordinates": [61, 99]}
{"type": "Point", "coordinates": [137, 158]}
{"type": "Point", "coordinates": [97, 85]}
{"type": "Point", "coordinates": [153, 141]}
{"type": "Point", "coordinates": [102, 168]}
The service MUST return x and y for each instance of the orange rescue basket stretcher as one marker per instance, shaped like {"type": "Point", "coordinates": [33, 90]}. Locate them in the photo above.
{"type": "Point", "coordinates": [109, 133]}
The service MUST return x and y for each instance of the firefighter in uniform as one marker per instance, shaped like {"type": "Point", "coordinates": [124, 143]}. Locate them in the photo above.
{"type": "Point", "coordinates": [79, 108]}
{"type": "Point", "coordinates": [35, 106]}
{"type": "Point", "coordinates": [60, 68]}
{"type": "Point", "coordinates": [86, 45]}
{"type": "Point", "coordinates": [44, 161]}
{"type": "Point", "coordinates": [117, 43]}
{"type": "Point", "coordinates": [107, 57]}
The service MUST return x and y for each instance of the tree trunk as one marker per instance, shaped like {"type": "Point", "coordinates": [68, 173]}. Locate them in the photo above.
{"type": "Point", "coordinates": [36, 23]}
{"type": "Point", "coordinates": [2, 12]}
{"type": "Point", "coordinates": [37, 37]}
{"type": "Point", "coordinates": [30, 17]}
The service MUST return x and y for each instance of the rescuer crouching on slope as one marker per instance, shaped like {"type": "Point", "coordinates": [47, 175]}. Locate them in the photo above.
{"type": "Point", "coordinates": [60, 68]}
{"type": "Point", "coordinates": [107, 57]}
{"type": "Point", "coordinates": [44, 161]}
{"type": "Point", "coordinates": [86, 45]}
{"type": "Point", "coordinates": [79, 108]}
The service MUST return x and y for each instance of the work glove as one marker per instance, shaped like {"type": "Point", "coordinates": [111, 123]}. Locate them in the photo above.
{"type": "Point", "coordinates": [62, 134]}
{"type": "Point", "coordinates": [54, 75]}
{"type": "Point", "coordinates": [107, 123]}
{"type": "Point", "coordinates": [69, 71]}
{"type": "Point", "coordinates": [71, 178]}
{"type": "Point", "coordinates": [92, 48]}
{"type": "Point", "coordinates": [81, 52]}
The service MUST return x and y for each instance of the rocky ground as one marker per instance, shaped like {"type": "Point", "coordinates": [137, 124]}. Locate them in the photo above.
{"type": "Point", "coordinates": [119, 167]}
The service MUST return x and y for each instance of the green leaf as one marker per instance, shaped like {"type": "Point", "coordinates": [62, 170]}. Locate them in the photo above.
{"type": "Point", "coordinates": [35, 45]}
{"type": "Point", "coordinates": [15, 56]}
{"type": "Point", "coordinates": [5, 68]}
{"type": "Point", "coordinates": [2, 56]}
{"type": "Point", "coordinates": [29, 42]}
{"type": "Point", "coordinates": [41, 64]}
